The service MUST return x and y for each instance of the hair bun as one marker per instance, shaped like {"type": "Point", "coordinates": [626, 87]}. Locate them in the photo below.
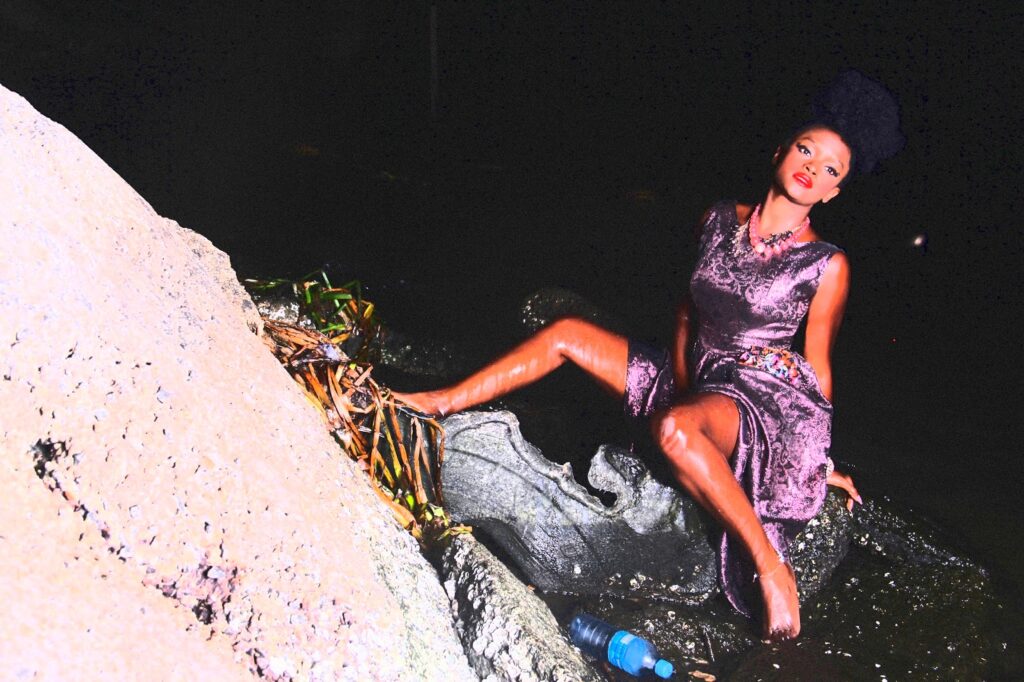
{"type": "Point", "coordinates": [865, 114]}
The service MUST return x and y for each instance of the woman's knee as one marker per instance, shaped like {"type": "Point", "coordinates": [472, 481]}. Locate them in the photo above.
{"type": "Point", "coordinates": [674, 429]}
{"type": "Point", "coordinates": [567, 332]}
{"type": "Point", "coordinates": [600, 353]}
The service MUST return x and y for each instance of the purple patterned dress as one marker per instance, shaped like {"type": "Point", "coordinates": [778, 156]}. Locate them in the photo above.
{"type": "Point", "coordinates": [748, 312]}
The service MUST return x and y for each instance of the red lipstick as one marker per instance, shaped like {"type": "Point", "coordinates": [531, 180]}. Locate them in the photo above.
{"type": "Point", "coordinates": [803, 179]}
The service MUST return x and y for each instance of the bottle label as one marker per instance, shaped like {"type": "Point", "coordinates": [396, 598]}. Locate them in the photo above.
{"type": "Point", "coordinates": [617, 648]}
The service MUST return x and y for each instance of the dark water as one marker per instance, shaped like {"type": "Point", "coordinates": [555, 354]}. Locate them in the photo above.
{"type": "Point", "coordinates": [575, 145]}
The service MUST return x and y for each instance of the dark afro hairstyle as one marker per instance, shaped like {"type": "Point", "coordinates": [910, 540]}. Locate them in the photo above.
{"type": "Point", "coordinates": [864, 113]}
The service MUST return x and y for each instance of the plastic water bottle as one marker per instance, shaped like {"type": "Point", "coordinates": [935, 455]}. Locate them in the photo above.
{"type": "Point", "coordinates": [622, 649]}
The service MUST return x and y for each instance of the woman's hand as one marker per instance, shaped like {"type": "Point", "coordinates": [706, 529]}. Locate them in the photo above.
{"type": "Point", "coordinates": [843, 481]}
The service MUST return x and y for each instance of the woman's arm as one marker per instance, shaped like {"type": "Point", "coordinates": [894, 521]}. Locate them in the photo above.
{"type": "Point", "coordinates": [823, 321]}
{"type": "Point", "coordinates": [685, 322]}
{"type": "Point", "coordinates": [680, 345]}
{"type": "Point", "coordinates": [824, 317]}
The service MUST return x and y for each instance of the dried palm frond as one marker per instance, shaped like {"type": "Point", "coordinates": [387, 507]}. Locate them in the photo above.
{"type": "Point", "coordinates": [399, 449]}
{"type": "Point", "coordinates": [337, 311]}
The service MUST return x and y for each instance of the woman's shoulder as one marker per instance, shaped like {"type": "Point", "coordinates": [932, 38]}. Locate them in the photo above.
{"type": "Point", "coordinates": [825, 247]}
{"type": "Point", "coordinates": [742, 211]}
{"type": "Point", "coordinates": [723, 210]}
{"type": "Point", "coordinates": [718, 214]}
{"type": "Point", "coordinates": [824, 261]}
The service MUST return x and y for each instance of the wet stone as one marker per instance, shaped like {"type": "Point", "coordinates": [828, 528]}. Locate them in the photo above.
{"type": "Point", "coordinates": [819, 549]}
{"type": "Point", "coordinates": [900, 605]}
{"type": "Point", "coordinates": [650, 542]}
{"type": "Point", "coordinates": [279, 307]}
{"type": "Point", "coordinates": [420, 357]}
{"type": "Point", "coordinates": [883, 594]}
{"type": "Point", "coordinates": [551, 303]}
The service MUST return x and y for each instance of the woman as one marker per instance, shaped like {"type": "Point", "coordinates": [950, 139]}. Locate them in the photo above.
{"type": "Point", "coordinates": [744, 423]}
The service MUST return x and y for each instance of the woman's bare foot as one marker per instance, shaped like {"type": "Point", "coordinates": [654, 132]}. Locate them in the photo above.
{"type": "Point", "coordinates": [433, 403]}
{"type": "Point", "coordinates": [781, 603]}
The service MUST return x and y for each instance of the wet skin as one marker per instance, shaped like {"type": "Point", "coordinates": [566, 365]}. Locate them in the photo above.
{"type": "Point", "coordinates": [698, 434]}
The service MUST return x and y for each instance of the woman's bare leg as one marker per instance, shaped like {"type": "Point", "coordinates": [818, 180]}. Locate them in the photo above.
{"type": "Point", "coordinates": [597, 351]}
{"type": "Point", "coordinates": [698, 437]}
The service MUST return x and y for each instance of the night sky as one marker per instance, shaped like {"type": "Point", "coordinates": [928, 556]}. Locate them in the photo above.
{"type": "Point", "coordinates": [577, 144]}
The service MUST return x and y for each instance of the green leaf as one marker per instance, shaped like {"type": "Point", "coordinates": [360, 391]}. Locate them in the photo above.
{"type": "Point", "coordinates": [336, 295]}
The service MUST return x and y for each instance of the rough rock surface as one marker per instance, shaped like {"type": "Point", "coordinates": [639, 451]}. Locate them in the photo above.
{"type": "Point", "coordinates": [507, 631]}
{"type": "Point", "coordinates": [550, 303]}
{"type": "Point", "coordinates": [822, 545]}
{"type": "Point", "coordinates": [901, 605]}
{"type": "Point", "coordinates": [561, 536]}
{"type": "Point", "coordinates": [172, 505]}
{"type": "Point", "coordinates": [71, 610]}
{"type": "Point", "coordinates": [652, 542]}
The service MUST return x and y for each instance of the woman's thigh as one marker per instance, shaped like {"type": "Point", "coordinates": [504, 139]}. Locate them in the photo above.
{"type": "Point", "coordinates": [715, 415]}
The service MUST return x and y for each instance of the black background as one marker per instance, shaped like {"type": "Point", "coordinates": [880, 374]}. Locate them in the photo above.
{"type": "Point", "coordinates": [577, 144]}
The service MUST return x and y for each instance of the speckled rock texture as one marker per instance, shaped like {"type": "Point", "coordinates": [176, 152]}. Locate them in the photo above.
{"type": "Point", "coordinates": [902, 605]}
{"type": "Point", "coordinates": [822, 545]}
{"type": "Point", "coordinates": [550, 303]}
{"type": "Point", "coordinates": [508, 632]}
{"type": "Point", "coordinates": [173, 508]}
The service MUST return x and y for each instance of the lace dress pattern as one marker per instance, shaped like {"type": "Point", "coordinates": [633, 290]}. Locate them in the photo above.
{"type": "Point", "coordinates": [748, 311]}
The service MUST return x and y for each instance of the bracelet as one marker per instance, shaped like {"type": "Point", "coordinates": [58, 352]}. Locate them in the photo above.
{"type": "Point", "coordinates": [830, 466]}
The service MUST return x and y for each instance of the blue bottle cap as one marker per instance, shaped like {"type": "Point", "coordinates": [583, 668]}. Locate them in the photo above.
{"type": "Point", "coordinates": [663, 669]}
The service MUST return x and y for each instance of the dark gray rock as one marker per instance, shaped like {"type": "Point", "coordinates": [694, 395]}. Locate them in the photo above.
{"type": "Point", "coordinates": [421, 357]}
{"type": "Point", "coordinates": [901, 537]}
{"type": "Point", "coordinates": [882, 592]}
{"type": "Point", "coordinates": [551, 303]}
{"type": "Point", "coordinates": [903, 605]}
{"type": "Point", "coordinates": [651, 542]}
{"type": "Point", "coordinates": [819, 549]}
{"type": "Point", "coordinates": [277, 306]}
{"type": "Point", "coordinates": [507, 631]}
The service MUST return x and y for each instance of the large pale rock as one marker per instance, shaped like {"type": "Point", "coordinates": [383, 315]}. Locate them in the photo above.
{"type": "Point", "coordinates": [71, 610]}
{"type": "Point", "coordinates": [172, 506]}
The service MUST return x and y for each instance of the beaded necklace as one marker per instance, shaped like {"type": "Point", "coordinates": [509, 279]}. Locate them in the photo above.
{"type": "Point", "coordinates": [774, 245]}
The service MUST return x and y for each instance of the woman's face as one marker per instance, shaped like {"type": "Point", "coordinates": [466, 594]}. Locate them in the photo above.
{"type": "Point", "coordinates": [811, 168]}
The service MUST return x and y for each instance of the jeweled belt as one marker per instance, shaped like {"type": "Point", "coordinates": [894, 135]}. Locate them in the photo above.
{"type": "Point", "coordinates": [778, 362]}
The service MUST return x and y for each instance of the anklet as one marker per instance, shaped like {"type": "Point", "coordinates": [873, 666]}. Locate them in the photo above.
{"type": "Point", "coordinates": [782, 562]}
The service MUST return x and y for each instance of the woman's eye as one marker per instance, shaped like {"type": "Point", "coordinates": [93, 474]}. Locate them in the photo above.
{"type": "Point", "coordinates": [803, 150]}
{"type": "Point", "coordinates": [833, 172]}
